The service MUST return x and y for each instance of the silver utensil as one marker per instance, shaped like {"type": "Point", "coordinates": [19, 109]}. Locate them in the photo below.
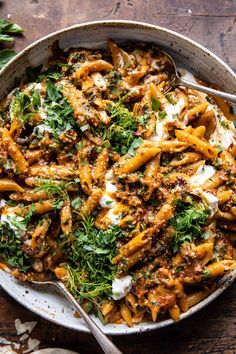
{"type": "Point", "coordinates": [177, 80]}
{"type": "Point", "coordinates": [105, 343]}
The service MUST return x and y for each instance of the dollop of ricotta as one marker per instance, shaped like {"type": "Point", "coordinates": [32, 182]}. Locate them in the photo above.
{"type": "Point", "coordinates": [121, 287]}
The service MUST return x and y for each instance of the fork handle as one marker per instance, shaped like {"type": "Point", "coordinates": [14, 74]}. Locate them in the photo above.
{"type": "Point", "coordinates": [226, 96]}
{"type": "Point", "coordinates": [105, 343]}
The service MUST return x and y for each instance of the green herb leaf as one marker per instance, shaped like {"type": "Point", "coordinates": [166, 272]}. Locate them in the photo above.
{"type": "Point", "coordinates": [91, 271]}
{"type": "Point", "coordinates": [60, 118]}
{"type": "Point", "coordinates": [135, 144]}
{"type": "Point", "coordinates": [6, 38]}
{"type": "Point", "coordinates": [143, 119]}
{"type": "Point", "coordinates": [170, 99]}
{"type": "Point", "coordinates": [206, 273]}
{"type": "Point", "coordinates": [36, 98]}
{"type": "Point", "coordinates": [162, 115]}
{"type": "Point", "coordinates": [9, 27]}
{"type": "Point", "coordinates": [57, 191]}
{"type": "Point", "coordinates": [52, 91]}
{"type": "Point", "coordinates": [120, 132]}
{"type": "Point", "coordinates": [10, 249]}
{"type": "Point", "coordinates": [188, 223]}
{"type": "Point", "coordinates": [57, 204]}
{"type": "Point", "coordinates": [156, 105]}
{"type": "Point", "coordinates": [101, 318]}
{"type": "Point", "coordinates": [49, 74]}
{"type": "Point", "coordinates": [155, 202]}
{"type": "Point", "coordinates": [5, 56]}
{"type": "Point", "coordinates": [76, 203]}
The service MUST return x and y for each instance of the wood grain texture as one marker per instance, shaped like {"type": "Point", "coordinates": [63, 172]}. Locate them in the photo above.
{"type": "Point", "coordinates": [213, 24]}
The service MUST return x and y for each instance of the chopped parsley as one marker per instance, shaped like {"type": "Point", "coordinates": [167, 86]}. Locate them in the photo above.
{"type": "Point", "coordinates": [90, 270]}
{"type": "Point", "coordinates": [10, 249]}
{"type": "Point", "coordinates": [59, 118]}
{"type": "Point", "coordinates": [121, 130]}
{"type": "Point", "coordinates": [187, 222]}
{"type": "Point", "coordinates": [10, 245]}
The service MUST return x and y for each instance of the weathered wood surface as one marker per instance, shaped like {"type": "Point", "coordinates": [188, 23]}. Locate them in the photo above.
{"type": "Point", "coordinates": [211, 23]}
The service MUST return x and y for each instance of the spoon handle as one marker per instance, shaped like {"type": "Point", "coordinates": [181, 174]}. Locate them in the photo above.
{"type": "Point", "coordinates": [226, 96]}
{"type": "Point", "coordinates": [105, 343]}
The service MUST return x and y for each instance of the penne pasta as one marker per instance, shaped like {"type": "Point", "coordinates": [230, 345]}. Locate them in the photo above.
{"type": "Point", "coordinates": [142, 156]}
{"type": "Point", "coordinates": [14, 152]}
{"type": "Point", "coordinates": [199, 145]}
{"type": "Point", "coordinates": [118, 183]}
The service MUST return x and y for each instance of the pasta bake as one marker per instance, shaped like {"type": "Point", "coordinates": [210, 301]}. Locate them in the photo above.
{"type": "Point", "coordinates": [117, 183]}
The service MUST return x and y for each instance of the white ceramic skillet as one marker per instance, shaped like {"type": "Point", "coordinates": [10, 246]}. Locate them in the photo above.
{"type": "Point", "coordinates": [202, 63]}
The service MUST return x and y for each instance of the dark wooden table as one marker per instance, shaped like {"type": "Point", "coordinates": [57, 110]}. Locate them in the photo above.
{"type": "Point", "coordinates": [211, 23]}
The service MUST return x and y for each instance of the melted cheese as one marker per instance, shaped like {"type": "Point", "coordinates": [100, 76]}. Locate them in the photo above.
{"type": "Point", "coordinates": [211, 200]}
{"type": "Point", "coordinates": [9, 218]}
{"type": "Point", "coordinates": [202, 175]}
{"type": "Point", "coordinates": [197, 180]}
{"type": "Point", "coordinates": [171, 118]}
{"type": "Point", "coordinates": [224, 133]}
{"type": "Point", "coordinates": [121, 287]}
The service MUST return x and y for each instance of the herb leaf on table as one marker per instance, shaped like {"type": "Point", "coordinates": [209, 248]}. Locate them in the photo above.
{"type": "Point", "coordinates": [7, 27]}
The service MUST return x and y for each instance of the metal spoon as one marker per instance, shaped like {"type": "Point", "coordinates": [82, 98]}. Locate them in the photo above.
{"type": "Point", "coordinates": [177, 80]}
{"type": "Point", "coordinates": [105, 343]}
